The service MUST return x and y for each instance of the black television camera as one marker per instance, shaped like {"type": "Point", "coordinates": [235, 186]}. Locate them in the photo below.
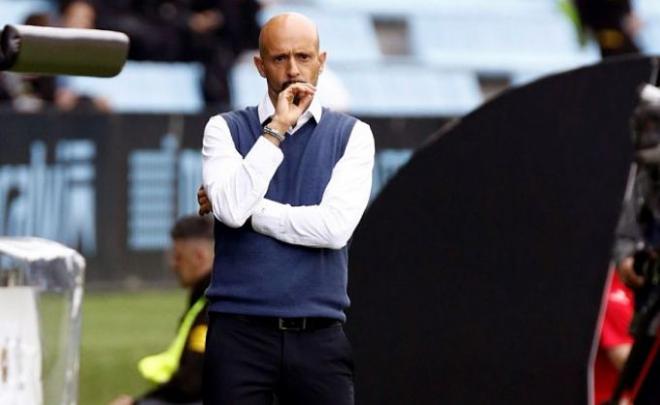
{"type": "Point", "coordinates": [645, 125]}
{"type": "Point", "coordinates": [641, 373]}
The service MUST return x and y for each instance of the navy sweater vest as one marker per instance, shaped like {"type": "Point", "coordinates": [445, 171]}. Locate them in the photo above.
{"type": "Point", "coordinates": [254, 274]}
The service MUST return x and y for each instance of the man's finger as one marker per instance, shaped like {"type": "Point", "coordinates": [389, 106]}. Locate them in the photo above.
{"type": "Point", "coordinates": [305, 101]}
{"type": "Point", "coordinates": [298, 89]}
{"type": "Point", "coordinates": [305, 92]}
{"type": "Point", "coordinates": [302, 85]}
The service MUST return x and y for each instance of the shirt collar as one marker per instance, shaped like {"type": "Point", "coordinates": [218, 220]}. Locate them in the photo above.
{"type": "Point", "coordinates": [266, 110]}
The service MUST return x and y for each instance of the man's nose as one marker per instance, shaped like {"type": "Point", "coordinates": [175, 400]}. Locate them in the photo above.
{"type": "Point", "coordinates": [293, 70]}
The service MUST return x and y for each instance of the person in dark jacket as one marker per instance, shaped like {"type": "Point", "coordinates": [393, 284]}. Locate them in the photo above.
{"type": "Point", "coordinates": [612, 23]}
{"type": "Point", "coordinates": [177, 372]}
{"type": "Point", "coordinates": [211, 32]}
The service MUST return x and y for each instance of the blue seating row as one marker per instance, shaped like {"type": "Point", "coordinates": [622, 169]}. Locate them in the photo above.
{"type": "Point", "coordinates": [451, 45]}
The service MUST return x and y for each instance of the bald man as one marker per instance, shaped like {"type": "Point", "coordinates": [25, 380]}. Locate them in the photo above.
{"type": "Point", "coordinates": [288, 182]}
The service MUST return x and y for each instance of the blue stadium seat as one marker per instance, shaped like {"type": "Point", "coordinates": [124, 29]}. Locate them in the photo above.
{"type": "Point", "coordinates": [647, 8]}
{"type": "Point", "coordinates": [247, 87]}
{"type": "Point", "coordinates": [409, 90]}
{"type": "Point", "coordinates": [147, 87]}
{"type": "Point", "coordinates": [649, 36]}
{"type": "Point", "coordinates": [347, 38]}
{"type": "Point", "coordinates": [500, 41]}
{"type": "Point", "coordinates": [398, 8]}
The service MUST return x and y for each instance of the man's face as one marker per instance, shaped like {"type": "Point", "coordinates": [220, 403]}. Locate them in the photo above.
{"type": "Point", "coordinates": [184, 261]}
{"type": "Point", "coordinates": [289, 55]}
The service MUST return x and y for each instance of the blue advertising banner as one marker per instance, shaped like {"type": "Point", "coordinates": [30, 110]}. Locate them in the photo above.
{"type": "Point", "coordinates": [111, 186]}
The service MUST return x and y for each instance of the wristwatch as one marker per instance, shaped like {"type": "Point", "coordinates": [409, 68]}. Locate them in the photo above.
{"type": "Point", "coordinates": [277, 134]}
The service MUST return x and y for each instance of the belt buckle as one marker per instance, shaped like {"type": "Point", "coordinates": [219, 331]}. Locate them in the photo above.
{"type": "Point", "coordinates": [284, 324]}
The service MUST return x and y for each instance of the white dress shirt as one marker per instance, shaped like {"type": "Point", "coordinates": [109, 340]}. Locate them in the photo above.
{"type": "Point", "coordinates": [236, 186]}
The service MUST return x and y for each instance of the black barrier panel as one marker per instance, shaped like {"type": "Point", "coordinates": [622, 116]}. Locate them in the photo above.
{"type": "Point", "coordinates": [112, 185]}
{"type": "Point", "coordinates": [477, 274]}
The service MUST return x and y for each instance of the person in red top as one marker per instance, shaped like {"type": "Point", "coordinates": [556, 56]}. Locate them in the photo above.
{"type": "Point", "coordinates": [615, 339]}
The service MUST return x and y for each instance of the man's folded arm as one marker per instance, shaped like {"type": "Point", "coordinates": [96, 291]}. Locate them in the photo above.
{"type": "Point", "coordinates": [331, 223]}
{"type": "Point", "coordinates": [235, 185]}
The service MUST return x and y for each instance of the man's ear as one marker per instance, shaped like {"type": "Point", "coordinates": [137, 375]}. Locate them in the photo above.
{"type": "Point", "coordinates": [198, 253]}
{"type": "Point", "coordinates": [322, 58]}
{"type": "Point", "coordinates": [259, 63]}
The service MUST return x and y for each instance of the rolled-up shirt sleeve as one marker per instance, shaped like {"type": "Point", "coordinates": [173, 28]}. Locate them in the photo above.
{"type": "Point", "coordinates": [235, 184]}
{"type": "Point", "coordinates": [331, 223]}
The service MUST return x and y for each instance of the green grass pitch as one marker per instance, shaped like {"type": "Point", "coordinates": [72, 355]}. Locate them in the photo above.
{"type": "Point", "coordinates": [117, 330]}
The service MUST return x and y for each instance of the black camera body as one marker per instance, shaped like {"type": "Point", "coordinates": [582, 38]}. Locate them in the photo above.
{"type": "Point", "coordinates": [645, 124]}
{"type": "Point", "coordinates": [642, 369]}
{"type": "Point", "coordinates": [647, 297]}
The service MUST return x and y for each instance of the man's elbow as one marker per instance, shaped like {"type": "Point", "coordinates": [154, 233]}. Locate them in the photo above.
{"type": "Point", "coordinates": [231, 220]}
{"type": "Point", "coordinates": [338, 240]}
{"type": "Point", "coordinates": [223, 211]}
{"type": "Point", "coordinates": [339, 231]}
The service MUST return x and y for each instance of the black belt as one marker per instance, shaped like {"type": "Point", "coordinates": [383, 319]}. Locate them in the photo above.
{"type": "Point", "coordinates": [288, 324]}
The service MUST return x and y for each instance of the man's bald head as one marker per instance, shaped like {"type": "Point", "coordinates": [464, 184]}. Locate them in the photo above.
{"type": "Point", "coordinates": [287, 25]}
{"type": "Point", "coordinates": [289, 53]}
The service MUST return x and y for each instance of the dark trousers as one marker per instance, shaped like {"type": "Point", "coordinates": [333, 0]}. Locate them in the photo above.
{"type": "Point", "coordinates": [248, 363]}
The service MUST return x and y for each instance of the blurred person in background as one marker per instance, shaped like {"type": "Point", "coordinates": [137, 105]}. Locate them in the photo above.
{"type": "Point", "coordinates": [177, 372]}
{"type": "Point", "coordinates": [615, 341]}
{"type": "Point", "coordinates": [637, 247]}
{"type": "Point", "coordinates": [151, 39]}
{"type": "Point", "coordinates": [211, 32]}
{"type": "Point", "coordinates": [29, 92]}
{"type": "Point", "coordinates": [78, 14]}
{"type": "Point", "coordinates": [5, 94]}
{"type": "Point", "coordinates": [612, 23]}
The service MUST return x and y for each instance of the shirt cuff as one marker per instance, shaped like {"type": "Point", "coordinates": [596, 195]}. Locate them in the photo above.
{"type": "Point", "coordinates": [268, 217]}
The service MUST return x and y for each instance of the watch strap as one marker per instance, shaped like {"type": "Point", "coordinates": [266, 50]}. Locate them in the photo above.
{"type": "Point", "coordinates": [277, 134]}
